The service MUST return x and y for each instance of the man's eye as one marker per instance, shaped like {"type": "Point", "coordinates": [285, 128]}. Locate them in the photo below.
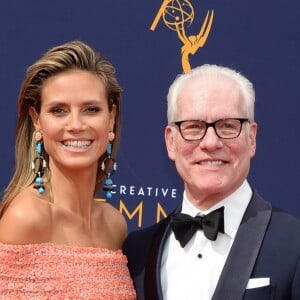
{"type": "Point", "coordinates": [195, 126]}
{"type": "Point", "coordinates": [228, 125]}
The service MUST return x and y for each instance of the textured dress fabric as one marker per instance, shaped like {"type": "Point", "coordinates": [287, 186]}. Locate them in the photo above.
{"type": "Point", "coordinates": [51, 271]}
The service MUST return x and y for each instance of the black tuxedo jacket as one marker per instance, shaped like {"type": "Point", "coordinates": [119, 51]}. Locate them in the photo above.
{"type": "Point", "coordinates": [267, 244]}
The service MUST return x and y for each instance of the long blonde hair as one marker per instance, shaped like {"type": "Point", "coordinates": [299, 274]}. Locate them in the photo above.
{"type": "Point", "coordinates": [71, 55]}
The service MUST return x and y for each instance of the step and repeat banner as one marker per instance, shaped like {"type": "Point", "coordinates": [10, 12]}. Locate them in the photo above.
{"type": "Point", "coordinates": [150, 42]}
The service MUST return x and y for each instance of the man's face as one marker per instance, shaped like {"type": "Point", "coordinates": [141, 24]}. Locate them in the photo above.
{"type": "Point", "coordinates": [211, 168]}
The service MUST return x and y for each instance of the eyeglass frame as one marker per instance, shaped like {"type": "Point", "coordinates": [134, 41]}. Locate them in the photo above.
{"type": "Point", "coordinates": [213, 125]}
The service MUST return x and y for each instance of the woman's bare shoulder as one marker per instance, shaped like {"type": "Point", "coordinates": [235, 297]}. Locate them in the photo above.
{"type": "Point", "coordinates": [115, 217]}
{"type": "Point", "coordinates": [115, 222]}
{"type": "Point", "coordinates": [26, 220]}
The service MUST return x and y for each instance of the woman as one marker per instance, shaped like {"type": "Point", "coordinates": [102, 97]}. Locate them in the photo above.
{"type": "Point", "coordinates": [56, 239]}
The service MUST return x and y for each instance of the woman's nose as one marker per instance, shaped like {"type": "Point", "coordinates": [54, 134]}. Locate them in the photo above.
{"type": "Point", "coordinates": [76, 123]}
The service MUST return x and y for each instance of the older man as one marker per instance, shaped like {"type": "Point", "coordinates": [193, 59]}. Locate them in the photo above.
{"type": "Point", "coordinates": [224, 242]}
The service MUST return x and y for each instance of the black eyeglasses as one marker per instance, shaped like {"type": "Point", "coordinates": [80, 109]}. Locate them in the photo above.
{"type": "Point", "coordinates": [192, 130]}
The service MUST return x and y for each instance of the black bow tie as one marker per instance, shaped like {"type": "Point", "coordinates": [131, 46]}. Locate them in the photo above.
{"type": "Point", "coordinates": [184, 226]}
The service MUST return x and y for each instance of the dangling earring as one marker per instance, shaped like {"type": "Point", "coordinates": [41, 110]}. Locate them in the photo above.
{"type": "Point", "coordinates": [39, 164]}
{"type": "Point", "coordinates": [108, 183]}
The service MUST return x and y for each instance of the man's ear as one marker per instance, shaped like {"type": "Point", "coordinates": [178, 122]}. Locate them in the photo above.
{"type": "Point", "coordinates": [169, 139]}
{"type": "Point", "coordinates": [252, 138]}
{"type": "Point", "coordinates": [35, 118]}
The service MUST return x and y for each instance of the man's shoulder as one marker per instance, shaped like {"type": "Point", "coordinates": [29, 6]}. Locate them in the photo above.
{"type": "Point", "coordinates": [143, 239]}
{"type": "Point", "coordinates": [285, 219]}
{"type": "Point", "coordinates": [283, 233]}
{"type": "Point", "coordinates": [148, 231]}
{"type": "Point", "coordinates": [278, 214]}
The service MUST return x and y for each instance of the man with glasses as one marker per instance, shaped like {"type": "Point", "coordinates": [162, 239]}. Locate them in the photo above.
{"type": "Point", "coordinates": [224, 242]}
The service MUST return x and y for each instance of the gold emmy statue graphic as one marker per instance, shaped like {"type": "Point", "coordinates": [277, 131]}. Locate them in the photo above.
{"type": "Point", "coordinates": [176, 14]}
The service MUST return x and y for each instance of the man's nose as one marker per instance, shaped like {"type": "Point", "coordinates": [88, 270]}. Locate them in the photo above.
{"type": "Point", "coordinates": [210, 139]}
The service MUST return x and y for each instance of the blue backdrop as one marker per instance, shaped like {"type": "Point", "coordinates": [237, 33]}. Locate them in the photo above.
{"type": "Point", "coordinates": [259, 38]}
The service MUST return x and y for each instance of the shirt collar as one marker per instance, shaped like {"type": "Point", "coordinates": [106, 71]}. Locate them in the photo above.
{"type": "Point", "coordinates": [235, 207]}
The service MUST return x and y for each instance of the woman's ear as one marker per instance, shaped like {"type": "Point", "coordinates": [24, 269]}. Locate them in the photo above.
{"type": "Point", "coordinates": [113, 114]}
{"type": "Point", "coordinates": [35, 118]}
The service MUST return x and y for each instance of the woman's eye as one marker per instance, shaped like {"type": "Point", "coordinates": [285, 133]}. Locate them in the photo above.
{"type": "Point", "coordinates": [58, 111]}
{"type": "Point", "coordinates": [92, 109]}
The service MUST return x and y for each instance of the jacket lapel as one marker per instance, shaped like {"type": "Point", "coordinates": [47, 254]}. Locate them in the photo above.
{"type": "Point", "coordinates": [152, 282]}
{"type": "Point", "coordinates": [244, 251]}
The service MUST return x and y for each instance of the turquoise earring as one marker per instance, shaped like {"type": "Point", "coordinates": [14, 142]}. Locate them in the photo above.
{"type": "Point", "coordinates": [39, 164]}
{"type": "Point", "coordinates": [108, 186]}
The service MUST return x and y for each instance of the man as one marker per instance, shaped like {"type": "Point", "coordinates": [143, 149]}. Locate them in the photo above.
{"type": "Point", "coordinates": [238, 246]}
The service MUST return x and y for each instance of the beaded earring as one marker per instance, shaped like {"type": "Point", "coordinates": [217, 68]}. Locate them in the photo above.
{"type": "Point", "coordinates": [39, 164]}
{"type": "Point", "coordinates": [108, 186]}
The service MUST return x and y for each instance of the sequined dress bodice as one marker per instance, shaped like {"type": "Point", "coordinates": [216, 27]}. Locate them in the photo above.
{"type": "Point", "coordinates": [51, 271]}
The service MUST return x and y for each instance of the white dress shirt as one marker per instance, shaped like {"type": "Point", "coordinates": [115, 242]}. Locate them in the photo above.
{"type": "Point", "coordinates": [193, 272]}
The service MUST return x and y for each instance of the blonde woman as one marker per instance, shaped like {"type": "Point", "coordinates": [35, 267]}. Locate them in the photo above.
{"type": "Point", "coordinates": [56, 240]}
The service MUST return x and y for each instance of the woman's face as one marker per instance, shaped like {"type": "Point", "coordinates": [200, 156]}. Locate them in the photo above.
{"type": "Point", "coordinates": [74, 119]}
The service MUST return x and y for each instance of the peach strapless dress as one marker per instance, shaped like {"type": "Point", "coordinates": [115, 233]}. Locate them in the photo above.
{"type": "Point", "coordinates": [51, 271]}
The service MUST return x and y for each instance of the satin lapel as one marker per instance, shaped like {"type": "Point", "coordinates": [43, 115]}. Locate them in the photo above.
{"type": "Point", "coordinates": [244, 251]}
{"type": "Point", "coordinates": [152, 271]}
